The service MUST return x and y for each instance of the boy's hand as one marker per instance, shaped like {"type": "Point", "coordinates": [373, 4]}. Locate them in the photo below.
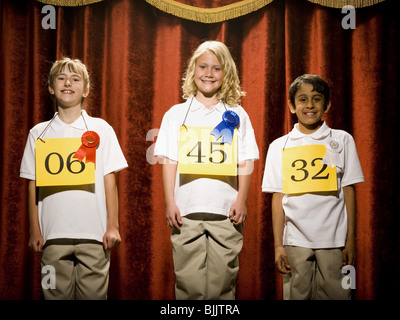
{"type": "Point", "coordinates": [111, 238]}
{"type": "Point", "coordinates": [36, 243]}
{"type": "Point", "coordinates": [281, 260]}
{"type": "Point", "coordinates": [349, 253]}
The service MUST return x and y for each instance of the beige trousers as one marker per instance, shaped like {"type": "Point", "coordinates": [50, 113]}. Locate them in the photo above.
{"type": "Point", "coordinates": [315, 274]}
{"type": "Point", "coordinates": [81, 269]}
{"type": "Point", "coordinates": [205, 254]}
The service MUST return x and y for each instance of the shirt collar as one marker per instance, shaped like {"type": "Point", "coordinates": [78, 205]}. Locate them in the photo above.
{"type": "Point", "coordinates": [320, 134]}
{"type": "Point", "coordinates": [196, 105]}
{"type": "Point", "coordinates": [78, 124]}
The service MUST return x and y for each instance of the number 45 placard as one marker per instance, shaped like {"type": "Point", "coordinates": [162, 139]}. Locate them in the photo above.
{"type": "Point", "coordinates": [55, 165]}
{"type": "Point", "coordinates": [201, 153]}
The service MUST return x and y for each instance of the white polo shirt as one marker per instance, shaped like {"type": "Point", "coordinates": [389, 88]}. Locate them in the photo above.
{"type": "Point", "coordinates": [314, 220]}
{"type": "Point", "coordinates": [76, 212]}
{"type": "Point", "coordinates": [200, 193]}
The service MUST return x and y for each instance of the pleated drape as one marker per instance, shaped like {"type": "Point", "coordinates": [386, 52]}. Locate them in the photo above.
{"type": "Point", "coordinates": [136, 57]}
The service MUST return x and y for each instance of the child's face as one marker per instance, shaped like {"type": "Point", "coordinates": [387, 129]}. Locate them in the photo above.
{"type": "Point", "coordinates": [68, 88]}
{"type": "Point", "coordinates": [208, 75]}
{"type": "Point", "coordinates": [309, 108]}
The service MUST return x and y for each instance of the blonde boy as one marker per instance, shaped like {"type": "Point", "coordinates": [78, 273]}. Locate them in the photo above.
{"type": "Point", "coordinates": [74, 226]}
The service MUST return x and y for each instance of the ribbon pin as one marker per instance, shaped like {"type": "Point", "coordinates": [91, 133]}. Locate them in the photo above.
{"type": "Point", "coordinates": [90, 141]}
{"type": "Point", "coordinates": [230, 120]}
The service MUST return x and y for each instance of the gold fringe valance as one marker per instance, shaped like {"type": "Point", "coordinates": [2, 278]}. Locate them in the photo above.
{"type": "Point", "coordinates": [213, 15]}
{"type": "Point", "coordinates": [342, 3]}
{"type": "Point", "coordinates": [69, 3]}
{"type": "Point", "coordinates": [239, 8]}
{"type": "Point", "coordinates": [209, 15]}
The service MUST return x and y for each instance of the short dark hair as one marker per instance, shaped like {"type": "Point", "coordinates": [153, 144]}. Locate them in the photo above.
{"type": "Point", "coordinates": [319, 85]}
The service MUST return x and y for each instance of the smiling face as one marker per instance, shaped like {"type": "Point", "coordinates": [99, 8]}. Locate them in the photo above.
{"type": "Point", "coordinates": [309, 106]}
{"type": "Point", "coordinates": [69, 89]}
{"type": "Point", "coordinates": [208, 76]}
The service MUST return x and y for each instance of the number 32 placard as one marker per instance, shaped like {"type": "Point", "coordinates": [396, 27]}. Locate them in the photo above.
{"type": "Point", "coordinates": [303, 171]}
{"type": "Point", "coordinates": [201, 153]}
{"type": "Point", "coordinates": [55, 165]}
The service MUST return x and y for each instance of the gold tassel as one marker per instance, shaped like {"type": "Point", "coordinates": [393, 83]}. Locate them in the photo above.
{"type": "Point", "coordinates": [342, 3]}
{"type": "Point", "coordinates": [69, 3]}
{"type": "Point", "coordinates": [211, 15]}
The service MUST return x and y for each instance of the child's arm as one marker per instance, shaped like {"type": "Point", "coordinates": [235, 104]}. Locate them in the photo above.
{"type": "Point", "coordinates": [238, 210]}
{"type": "Point", "coordinates": [172, 211]}
{"type": "Point", "coordinates": [278, 219]}
{"type": "Point", "coordinates": [349, 252]}
{"type": "Point", "coordinates": [36, 238]}
{"type": "Point", "coordinates": [112, 237]}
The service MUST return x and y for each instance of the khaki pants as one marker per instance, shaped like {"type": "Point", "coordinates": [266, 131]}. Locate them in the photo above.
{"type": "Point", "coordinates": [205, 254]}
{"type": "Point", "coordinates": [81, 269]}
{"type": "Point", "coordinates": [315, 274]}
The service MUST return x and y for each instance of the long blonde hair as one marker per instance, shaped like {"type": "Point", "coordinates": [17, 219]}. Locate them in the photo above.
{"type": "Point", "coordinates": [230, 91]}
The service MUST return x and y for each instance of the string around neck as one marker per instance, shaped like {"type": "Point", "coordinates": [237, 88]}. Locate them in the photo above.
{"type": "Point", "coordinates": [40, 137]}
{"type": "Point", "coordinates": [187, 112]}
{"type": "Point", "coordinates": [45, 129]}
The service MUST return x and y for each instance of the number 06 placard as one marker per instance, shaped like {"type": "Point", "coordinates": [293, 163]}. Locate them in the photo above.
{"type": "Point", "coordinates": [55, 165]}
{"type": "Point", "coordinates": [201, 153]}
{"type": "Point", "coordinates": [303, 170]}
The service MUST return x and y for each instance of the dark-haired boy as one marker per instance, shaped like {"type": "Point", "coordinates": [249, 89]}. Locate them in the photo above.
{"type": "Point", "coordinates": [311, 172]}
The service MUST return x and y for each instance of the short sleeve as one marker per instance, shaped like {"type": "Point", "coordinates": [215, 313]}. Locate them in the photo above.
{"type": "Point", "coordinates": [272, 179]}
{"type": "Point", "coordinates": [352, 168]}
{"type": "Point", "coordinates": [28, 167]}
{"type": "Point", "coordinates": [113, 156]}
{"type": "Point", "coordinates": [247, 144]}
{"type": "Point", "coordinates": [167, 140]}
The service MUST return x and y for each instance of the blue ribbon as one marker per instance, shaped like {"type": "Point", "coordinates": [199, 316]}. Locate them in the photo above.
{"type": "Point", "coordinates": [230, 120]}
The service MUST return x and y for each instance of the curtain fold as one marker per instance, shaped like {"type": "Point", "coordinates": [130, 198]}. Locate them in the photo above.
{"type": "Point", "coordinates": [136, 57]}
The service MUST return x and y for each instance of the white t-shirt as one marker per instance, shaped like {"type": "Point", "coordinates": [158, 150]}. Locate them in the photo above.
{"type": "Point", "coordinates": [75, 212]}
{"type": "Point", "coordinates": [313, 220]}
{"type": "Point", "coordinates": [200, 193]}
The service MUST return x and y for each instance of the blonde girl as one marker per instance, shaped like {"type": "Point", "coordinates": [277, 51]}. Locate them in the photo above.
{"type": "Point", "coordinates": [230, 91]}
{"type": "Point", "coordinates": [206, 212]}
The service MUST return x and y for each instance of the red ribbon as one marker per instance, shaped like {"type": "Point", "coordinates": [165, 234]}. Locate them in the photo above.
{"type": "Point", "coordinates": [90, 141]}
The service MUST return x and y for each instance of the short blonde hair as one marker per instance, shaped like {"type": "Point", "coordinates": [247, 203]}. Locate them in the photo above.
{"type": "Point", "coordinates": [73, 65]}
{"type": "Point", "coordinates": [230, 91]}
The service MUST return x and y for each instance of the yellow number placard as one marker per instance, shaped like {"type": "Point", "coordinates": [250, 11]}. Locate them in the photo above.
{"type": "Point", "coordinates": [201, 153]}
{"type": "Point", "coordinates": [55, 165]}
{"type": "Point", "coordinates": [303, 172]}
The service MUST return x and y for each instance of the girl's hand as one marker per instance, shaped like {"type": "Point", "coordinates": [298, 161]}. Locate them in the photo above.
{"type": "Point", "coordinates": [238, 212]}
{"type": "Point", "coordinates": [173, 216]}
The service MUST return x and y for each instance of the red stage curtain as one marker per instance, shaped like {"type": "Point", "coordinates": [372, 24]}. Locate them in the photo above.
{"type": "Point", "coordinates": [136, 55]}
